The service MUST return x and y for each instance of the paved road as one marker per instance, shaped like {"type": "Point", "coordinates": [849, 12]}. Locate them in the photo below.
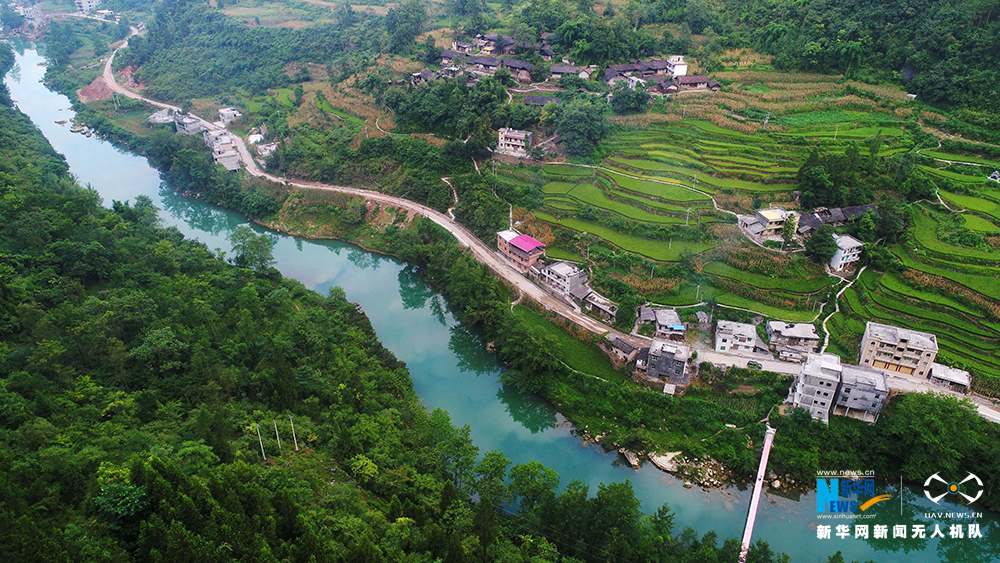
{"type": "Point", "coordinates": [487, 256]}
{"type": "Point", "coordinates": [482, 252]}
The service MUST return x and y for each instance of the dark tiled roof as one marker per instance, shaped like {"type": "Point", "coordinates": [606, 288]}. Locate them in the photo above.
{"type": "Point", "coordinates": [624, 345]}
{"type": "Point", "coordinates": [565, 69]}
{"type": "Point", "coordinates": [449, 54]}
{"type": "Point", "coordinates": [485, 61]}
{"type": "Point", "coordinates": [693, 79]}
{"type": "Point", "coordinates": [539, 100]}
{"type": "Point", "coordinates": [516, 64]}
{"type": "Point", "coordinates": [625, 67]}
{"type": "Point", "coordinates": [654, 65]}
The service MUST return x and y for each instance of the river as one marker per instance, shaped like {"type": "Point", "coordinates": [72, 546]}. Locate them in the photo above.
{"type": "Point", "coordinates": [451, 369]}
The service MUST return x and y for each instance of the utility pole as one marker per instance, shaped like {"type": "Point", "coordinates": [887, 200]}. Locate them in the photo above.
{"type": "Point", "coordinates": [293, 433]}
{"type": "Point", "coordinates": [835, 133]}
{"type": "Point", "coordinates": [766, 118]}
{"type": "Point", "coordinates": [261, 440]}
{"type": "Point", "coordinates": [688, 217]}
{"type": "Point", "coordinates": [276, 434]}
{"type": "Point", "coordinates": [651, 266]}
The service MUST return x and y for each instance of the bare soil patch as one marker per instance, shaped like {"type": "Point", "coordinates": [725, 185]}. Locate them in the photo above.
{"type": "Point", "coordinates": [96, 90]}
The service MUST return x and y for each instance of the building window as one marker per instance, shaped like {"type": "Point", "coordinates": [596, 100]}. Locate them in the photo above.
{"type": "Point", "coordinates": [847, 390]}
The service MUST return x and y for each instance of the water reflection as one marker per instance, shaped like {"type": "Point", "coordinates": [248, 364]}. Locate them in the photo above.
{"type": "Point", "coordinates": [413, 289]}
{"type": "Point", "coordinates": [363, 259]}
{"type": "Point", "coordinates": [533, 414]}
{"type": "Point", "coordinates": [195, 214]}
{"type": "Point", "coordinates": [469, 347]}
{"type": "Point", "coordinates": [908, 515]}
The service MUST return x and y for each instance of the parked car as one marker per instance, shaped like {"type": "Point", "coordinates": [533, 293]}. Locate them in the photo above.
{"type": "Point", "coordinates": [754, 365]}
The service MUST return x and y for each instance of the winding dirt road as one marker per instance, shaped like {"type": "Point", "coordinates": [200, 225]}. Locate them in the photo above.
{"type": "Point", "coordinates": [481, 251]}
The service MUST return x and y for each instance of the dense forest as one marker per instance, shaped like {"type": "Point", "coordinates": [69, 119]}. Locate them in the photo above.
{"type": "Point", "coordinates": [136, 365]}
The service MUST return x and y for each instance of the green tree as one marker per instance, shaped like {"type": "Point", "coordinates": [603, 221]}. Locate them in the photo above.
{"type": "Point", "coordinates": [251, 250]}
{"type": "Point", "coordinates": [821, 246]}
{"type": "Point", "coordinates": [627, 100]}
{"type": "Point", "coordinates": [582, 124]}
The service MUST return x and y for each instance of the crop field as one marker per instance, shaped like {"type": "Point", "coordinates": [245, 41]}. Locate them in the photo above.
{"type": "Point", "coordinates": [666, 251]}
{"type": "Point", "coordinates": [794, 285]}
{"type": "Point", "coordinates": [977, 223]}
{"type": "Point", "coordinates": [925, 231]}
{"type": "Point", "coordinates": [961, 158]}
{"type": "Point", "coordinates": [981, 205]}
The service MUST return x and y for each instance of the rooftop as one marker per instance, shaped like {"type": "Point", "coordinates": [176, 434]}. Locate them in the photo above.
{"type": "Point", "coordinates": [773, 214]}
{"type": "Point", "coordinates": [865, 376]}
{"type": "Point", "coordinates": [563, 69]}
{"type": "Point", "coordinates": [526, 243]}
{"type": "Point", "coordinates": [847, 242]}
{"type": "Point", "coordinates": [738, 329]}
{"type": "Point", "coordinates": [822, 365]}
{"type": "Point", "coordinates": [692, 79]}
{"type": "Point", "coordinates": [668, 317]}
{"type": "Point", "coordinates": [895, 335]}
{"type": "Point", "coordinates": [580, 292]}
{"type": "Point", "coordinates": [680, 351]}
{"type": "Point", "coordinates": [508, 235]}
{"type": "Point", "coordinates": [564, 269]}
{"type": "Point", "coordinates": [951, 374]}
{"type": "Point", "coordinates": [539, 100]}
{"type": "Point", "coordinates": [793, 330]}
{"type": "Point", "coordinates": [620, 343]}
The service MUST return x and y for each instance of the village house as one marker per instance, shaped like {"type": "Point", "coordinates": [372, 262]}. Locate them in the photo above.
{"type": "Point", "coordinates": [540, 100]}
{"type": "Point", "coordinates": [546, 52]}
{"type": "Point", "coordinates": [559, 71]}
{"type": "Point", "coordinates": [521, 251]}
{"type": "Point", "coordinates": [667, 360]}
{"type": "Point", "coordinates": [792, 341]}
{"type": "Point", "coordinates": [520, 70]}
{"type": "Point", "coordinates": [188, 124]}
{"type": "Point", "coordinates": [809, 222]}
{"type": "Point", "coordinates": [228, 115]}
{"type": "Point", "coordinates": [513, 142]}
{"type": "Point", "coordinates": [87, 6]}
{"type": "Point", "coordinates": [815, 387]}
{"type": "Point", "coordinates": [462, 47]}
{"type": "Point", "coordinates": [562, 276]}
{"type": "Point", "coordinates": [426, 75]}
{"type": "Point", "coordinates": [693, 82]}
{"type": "Point", "coordinates": [223, 148]}
{"type": "Point", "coordinates": [737, 337]}
{"type": "Point", "coordinates": [449, 56]}
{"type": "Point", "coordinates": [848, 250]}
{"type": "Point", "coordinates": [487, 65]}
{"type": "Point", "coordinates": [669, 325]}
{"type": "Point", "coordinates": [861, 389]}
{"type": "Point", "coordinates": [496, 43]}
{"type": "Point", "coordinates": [952, 378]}
{"type": "Point", "coordinates": [624, 350]}
{"type": "Point", "coordinates": [676, 66]}
{"type": "Point", "coordinates": [766, 222]}
{"type": "Point", "coordinates": [604, 307]}
{"type": "Point", "coordinates": [824, 385]}
{"type": "Point", "coordinates": [898, 349]}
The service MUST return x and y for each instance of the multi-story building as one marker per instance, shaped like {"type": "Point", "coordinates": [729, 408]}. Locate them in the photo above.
{"type": "Point", "coordinates": [667, 360]}
{"type": "Point", "coordinates": [892, 348]}
{"type": "Point", "coordinates": [521, 251]}
{"type": "Point", "coordinates": [848, 250]}
{"type": "Point", "coordinates": [188, 124]}
{"type": "Point", "coordinates": [861, 388]}
{"type": "Point", "coordinates": [676, 65]}
{"type": "Point", "coordinates": [87, 6]}
{"type": "Point", "coordinates": [773, 220]}
{"type": "Point", "coordinates": [792, 341]}
{"type": "Point", "coordinates": [815, 388]}
{"type": "Point", "coordinates": [513, 142]}
{"type": "Point", "coordinates": [563, 276]}
{"type": "Point", "coordinates": [228, 115]}
{"type": "Point", "coordinates": [668, 324]}
{"type": "Point", "coordinates": [737, 337]}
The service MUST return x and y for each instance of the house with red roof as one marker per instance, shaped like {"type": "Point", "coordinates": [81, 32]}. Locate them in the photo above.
{"type": "Point", "coordinates": [522, 251]}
